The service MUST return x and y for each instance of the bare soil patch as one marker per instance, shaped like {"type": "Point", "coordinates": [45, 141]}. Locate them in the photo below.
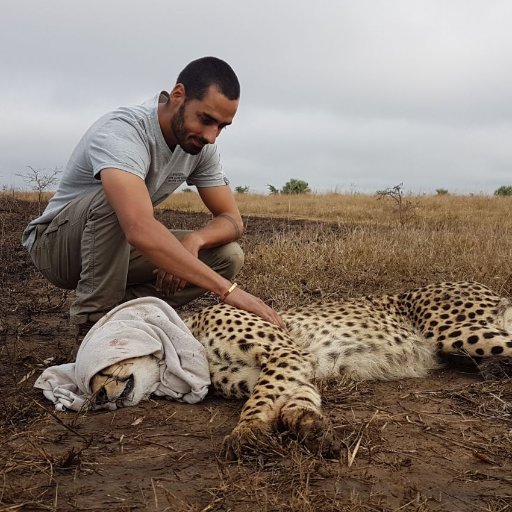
{"type": "Point", "coordinates": [434, 444]}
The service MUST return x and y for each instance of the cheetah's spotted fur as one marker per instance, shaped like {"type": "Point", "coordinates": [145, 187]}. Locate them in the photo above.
{"type": "Point", "coordinates": [373, 337]}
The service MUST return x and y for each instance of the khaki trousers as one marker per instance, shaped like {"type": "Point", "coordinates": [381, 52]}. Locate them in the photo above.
{"type": "Point", "coordinates": [84, 249]}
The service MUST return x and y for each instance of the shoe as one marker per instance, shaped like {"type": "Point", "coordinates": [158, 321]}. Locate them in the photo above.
{"type": "Point", "coordinates": [79, 331]}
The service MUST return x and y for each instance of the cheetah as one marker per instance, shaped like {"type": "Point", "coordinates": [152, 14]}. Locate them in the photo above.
{"type": "Point", "coordinates": [375, 337]}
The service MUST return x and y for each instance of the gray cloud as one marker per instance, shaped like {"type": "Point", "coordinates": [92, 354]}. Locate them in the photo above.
{"type": "Point", "coordinates": [346, 95]}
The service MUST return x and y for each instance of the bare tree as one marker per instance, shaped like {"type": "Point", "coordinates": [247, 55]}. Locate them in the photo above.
{"type": "Point", "coordinates": [39, 180]}
{"type": "Point", "coordinates": [404, 208]}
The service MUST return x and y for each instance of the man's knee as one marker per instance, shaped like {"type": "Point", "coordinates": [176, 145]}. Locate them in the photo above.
{"type": "Point", "coordinates": [236, 258]}
{"type": "Point", "coordinates": [227, 260]}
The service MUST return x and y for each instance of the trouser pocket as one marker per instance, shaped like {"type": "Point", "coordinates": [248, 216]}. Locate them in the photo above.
{"type": "Point", "coordinates": [49, 255]}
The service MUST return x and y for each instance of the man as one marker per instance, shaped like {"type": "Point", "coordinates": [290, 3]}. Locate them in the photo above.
{"type": "Point", "coordinates": [98, 234]}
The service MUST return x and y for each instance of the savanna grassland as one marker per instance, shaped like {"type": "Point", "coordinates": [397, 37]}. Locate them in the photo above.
{"type": "Point", "coordinates": [434, 444]}
{"type": "Point", "coordinates": [368, 244]}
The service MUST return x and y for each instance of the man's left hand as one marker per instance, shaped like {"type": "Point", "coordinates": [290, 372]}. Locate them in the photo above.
{"type": "Point", "coordinates": [169, 284]}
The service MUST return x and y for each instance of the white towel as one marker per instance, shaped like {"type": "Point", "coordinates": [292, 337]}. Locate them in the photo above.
{"type": "Point", "coordinates": [138, 327]}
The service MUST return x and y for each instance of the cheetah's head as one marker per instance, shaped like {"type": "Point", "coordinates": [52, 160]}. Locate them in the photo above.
{"type": "Point", "coordinates": [125, 383]}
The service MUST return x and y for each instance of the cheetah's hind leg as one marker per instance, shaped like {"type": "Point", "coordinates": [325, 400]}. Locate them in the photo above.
{"type": "Point", "coordinates": [484, 348]}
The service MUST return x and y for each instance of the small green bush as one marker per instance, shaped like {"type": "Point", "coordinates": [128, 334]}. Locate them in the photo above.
{"type": "Point", "coordinates": [295, 187]}
{"type": "Point", "coordinates": [273, 190]}
{"type": "Point", "coordinates": [504, 190]}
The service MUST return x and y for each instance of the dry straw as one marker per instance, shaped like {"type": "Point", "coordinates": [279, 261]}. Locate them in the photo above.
{"type": "Point", "coordinates": [358, 245]}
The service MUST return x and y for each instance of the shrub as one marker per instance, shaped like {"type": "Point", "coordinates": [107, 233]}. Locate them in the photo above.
{"type": "Point", "coordinates": [295, 187]}
{"type": "Point", "coordinates": [403, 207]}
{"type": "Point", "coordinates": [40, 180]}
{"type": "Point", "coordinates": [504, 190]}
{"type": "Point", "coordinates": [273, 190]}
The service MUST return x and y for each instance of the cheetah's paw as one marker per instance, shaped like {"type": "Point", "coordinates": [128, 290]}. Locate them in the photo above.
{"type": "Point", "coordinates": [316, 434]}
{"type": "Point", "coordinates": [248, 440]}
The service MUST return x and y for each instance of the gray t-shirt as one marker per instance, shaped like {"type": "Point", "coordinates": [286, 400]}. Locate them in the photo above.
{"type": "Point", "coordinates": [130, 139]}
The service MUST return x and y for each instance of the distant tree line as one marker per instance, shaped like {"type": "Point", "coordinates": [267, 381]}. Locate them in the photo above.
{"type": "Point", "coordinates": [296, 186]}
{"type": "Point", "coordinates": [41, 180]}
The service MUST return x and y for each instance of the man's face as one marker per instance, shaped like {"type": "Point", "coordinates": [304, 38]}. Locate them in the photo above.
{"type": "Point", "coordinates": [200, 122]}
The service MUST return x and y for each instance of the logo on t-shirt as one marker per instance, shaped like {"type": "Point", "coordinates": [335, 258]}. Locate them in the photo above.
{"type": "Point", "coordinates": [176, 177]}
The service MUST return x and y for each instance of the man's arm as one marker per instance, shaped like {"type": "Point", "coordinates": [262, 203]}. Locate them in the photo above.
{"type": "Point", "coordinates": [226, 225]}
{"type": "Point", "coordinates": [128, 196]}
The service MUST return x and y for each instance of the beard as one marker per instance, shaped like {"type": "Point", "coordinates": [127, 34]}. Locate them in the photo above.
{"type": "Point", "coordinates": [189, 144]}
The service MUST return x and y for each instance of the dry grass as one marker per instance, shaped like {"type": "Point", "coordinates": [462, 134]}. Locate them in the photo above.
{"type": "Point", "coordinates": [24, 195]}
{"type": "Point", "coordinates": [363, 247]}
{"type": "Point", "coordinates": [430, 445]}
{"type": "Point", "coordinates": [443, 211]}
{"type": "Point", "coordinates": [365, 250]}
{"type": "Point", "coordinates": [334, 264]}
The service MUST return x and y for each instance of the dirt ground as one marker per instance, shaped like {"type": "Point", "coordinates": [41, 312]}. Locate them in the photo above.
{"type": "Point", "coordinates": [434, 444]}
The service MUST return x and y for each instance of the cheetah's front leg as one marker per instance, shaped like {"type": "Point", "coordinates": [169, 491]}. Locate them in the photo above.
{"type": "Point", "coordinates": [301, 415]}
{"type": "Point", "coordinates": [285, 397]}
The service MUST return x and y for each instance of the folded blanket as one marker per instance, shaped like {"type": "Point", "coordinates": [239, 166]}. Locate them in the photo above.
{"type": "Point", "coordinates": [138, 327]}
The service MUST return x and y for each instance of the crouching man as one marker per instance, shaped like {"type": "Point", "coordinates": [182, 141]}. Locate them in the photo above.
{"type": "Point", "coordinates": [98, 234]}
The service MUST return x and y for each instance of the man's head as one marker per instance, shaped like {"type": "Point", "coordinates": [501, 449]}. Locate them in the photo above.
{"type": "Point", "coordinates": [198, 76]}
{"type": "Point", "coordinates": [202, 103]}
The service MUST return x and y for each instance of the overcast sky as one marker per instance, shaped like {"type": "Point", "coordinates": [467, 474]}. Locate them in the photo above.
{"type": "Point", "coordinates": [353, 95]}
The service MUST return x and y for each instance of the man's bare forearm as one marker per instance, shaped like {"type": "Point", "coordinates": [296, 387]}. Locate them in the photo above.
{"type": "Point", "coordinates": [238, 227]}
{"type": "Point", "coordinates": [162, 248]}
{"type": "Point", "coordinates": [222, 229]}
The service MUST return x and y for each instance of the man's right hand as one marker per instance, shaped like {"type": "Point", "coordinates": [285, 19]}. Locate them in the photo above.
{"type": "Point", "coordinates": [243, 300]}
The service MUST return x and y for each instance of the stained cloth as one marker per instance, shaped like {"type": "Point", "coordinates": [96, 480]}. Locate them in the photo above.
{"type": "Point", "coordinates": [138, 327]}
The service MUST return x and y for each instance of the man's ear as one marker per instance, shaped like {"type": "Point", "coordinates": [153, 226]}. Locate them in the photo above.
{"type": "Point", "coordinates": [177, 94]}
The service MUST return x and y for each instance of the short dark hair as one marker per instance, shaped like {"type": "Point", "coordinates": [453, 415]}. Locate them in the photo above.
{"type": "Point", "coordinates": [200, 74]}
